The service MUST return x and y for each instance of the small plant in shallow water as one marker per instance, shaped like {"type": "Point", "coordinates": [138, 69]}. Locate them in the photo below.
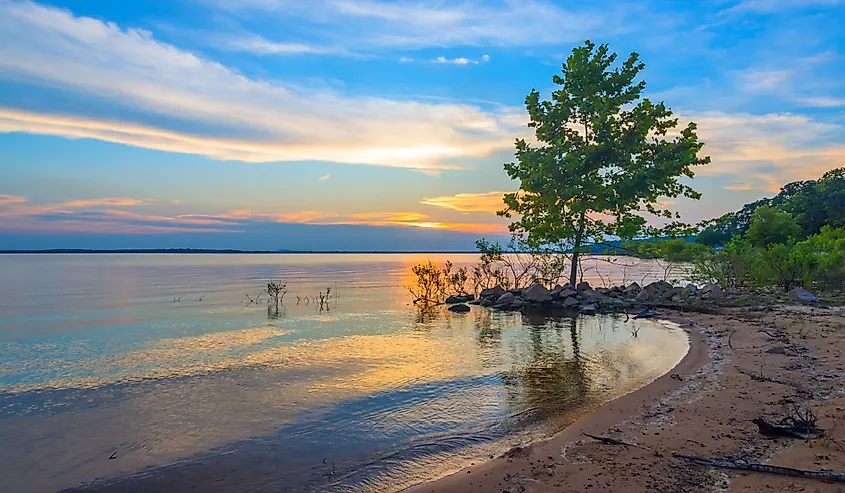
{"type": "Point", "coordinates": [277, 292]}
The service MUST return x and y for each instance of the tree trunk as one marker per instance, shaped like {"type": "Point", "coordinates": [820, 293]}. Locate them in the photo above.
{"type": "Point", "coordinates": [576, 250]}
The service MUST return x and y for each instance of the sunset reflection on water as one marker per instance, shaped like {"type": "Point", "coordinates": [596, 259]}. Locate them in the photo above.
{"type": "Point", "coordinates": [223, 393]}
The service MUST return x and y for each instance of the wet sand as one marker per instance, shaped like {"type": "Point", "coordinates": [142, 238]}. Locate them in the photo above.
{"type": "Point", "coordinates": [703, 407]}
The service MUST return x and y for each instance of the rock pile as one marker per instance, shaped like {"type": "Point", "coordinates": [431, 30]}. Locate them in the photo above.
{"type": "Point", "coordinates": [588, 300]}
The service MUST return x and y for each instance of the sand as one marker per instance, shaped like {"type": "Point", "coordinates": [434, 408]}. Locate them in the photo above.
{"type": "Point", "coordinates": [703, 407]}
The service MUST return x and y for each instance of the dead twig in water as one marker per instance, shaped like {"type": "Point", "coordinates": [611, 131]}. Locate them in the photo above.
{"type": "Point", "coordinates": [764, 468]}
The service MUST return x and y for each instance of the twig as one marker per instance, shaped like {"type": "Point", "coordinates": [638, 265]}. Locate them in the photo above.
{"type": "Point", "coordinates": [613, 441]}
{"type": "Point", "coordinates": [764, 468]}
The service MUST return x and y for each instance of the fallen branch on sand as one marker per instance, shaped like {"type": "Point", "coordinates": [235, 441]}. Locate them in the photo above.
{"type": "Point", "coordinates": [764, 468]}
{"type": "Point", "coordinates": [613, 441]}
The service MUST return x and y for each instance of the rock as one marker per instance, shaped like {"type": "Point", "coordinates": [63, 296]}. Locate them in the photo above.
{"type": "Point", "coordinates": [657, 288]}
{"type": "Point", "coordinates": [487, 302]}
{"type": "Point", "coordinates": [571, 302]}
{"type": "Point", "coordinates": [644, 296]}
{"type": "Point", "coordinates": [494, 293]}
{"type": "Point", "coordinates": [712, 292]}
{"type": "Point", "coordinates": [802, 295]}
{"type": "Point", "coordinates": [583, 286]}
{"type": "Point", "coordinates": [567, 292]}
{"type": "Point", "coordinates": [603, 291]}
{"type": "Point", "coordinates": [589, 296]}
{"type": "Point", "coordinates": [632, 290]}
{"type": "Point", "coordinates": [474, 302]}
{"type": "Point", "coordinates": [506, 299]}
{"type": "Point", "coordinates": [459, 308]}
{"type": "Point", "coordinates": [556, 291]}
{"type": "Point", "coordinates": [515, 291]}
{"type": "Point", "coordinates": [589, 309]}
{"type": "Point", "coordinates": [692, 289]}
{"type": "Point", "coordinates": [733, 291]}
{"type": "Point", "coordinates": [670, 293]}
{"type": "Point", "coordinates": [537, 293]}
{"type": "Point", "coordinates": [459, 298]}
{"type": "Point", "coordinates": [777, 350]}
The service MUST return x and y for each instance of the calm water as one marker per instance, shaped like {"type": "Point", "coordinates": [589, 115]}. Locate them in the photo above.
{"type": "Point", "coordinates": [163, 362]}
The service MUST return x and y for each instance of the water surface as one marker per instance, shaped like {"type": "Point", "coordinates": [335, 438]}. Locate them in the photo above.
{"type": "Point", "coordinates": [162, 362]}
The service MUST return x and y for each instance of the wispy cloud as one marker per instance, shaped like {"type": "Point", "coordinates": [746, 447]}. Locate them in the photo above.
{"type": "Point", "coordinates": [738, 187]}
{"type": "Point", "coordinates": [258, 45]}
{"type": "Point", "coordinates": [325, 177]}
{"type": "Point", "coordinates": [12, 199]}
{"type": "Point", "coordinates": [773, 149]}
{"type": "Point", "coordinates": [95, 215]}
{"type": "Point", "coordinates": [425, 23]}
{"type": "Point", "coordinates": [469, 202]}
{"type": "Point", "coordinates": [770, 6]}
{"type": "Point", "coordinates": [129, 68]}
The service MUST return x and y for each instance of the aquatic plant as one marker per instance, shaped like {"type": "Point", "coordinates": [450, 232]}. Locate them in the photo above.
{"type": "Point", "coordinates": [277, 292]}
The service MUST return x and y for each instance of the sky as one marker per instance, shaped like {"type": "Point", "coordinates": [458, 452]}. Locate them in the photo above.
{"type": "Point", "coordinates": [371, 125]}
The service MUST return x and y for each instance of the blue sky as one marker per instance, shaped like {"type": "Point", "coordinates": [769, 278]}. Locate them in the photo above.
{"type": "Point", "coordinates": [340, 124]}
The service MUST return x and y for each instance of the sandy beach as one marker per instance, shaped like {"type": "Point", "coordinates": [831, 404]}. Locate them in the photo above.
{"type": "Point", "coordinates": [743, 363]}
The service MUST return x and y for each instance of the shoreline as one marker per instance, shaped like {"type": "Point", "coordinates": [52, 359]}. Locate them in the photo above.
{"type": "Point", "coordinates": [743, 364]}
{"type": "Point", "coordinates": [609, 413]}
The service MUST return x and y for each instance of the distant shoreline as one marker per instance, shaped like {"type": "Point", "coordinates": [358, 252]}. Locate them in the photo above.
{"type": "Point", "coordinates": [189, 251]}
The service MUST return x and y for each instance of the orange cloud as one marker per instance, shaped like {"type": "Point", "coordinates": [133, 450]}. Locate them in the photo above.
{"type": "Point", "coordinates": [104, 201]}
{"type": "Point", "coordinates": [469, 202]}
{"type": "Point", "coordinates": [738, 187]}
{"type": "Point", "coordinates": [12, 199]}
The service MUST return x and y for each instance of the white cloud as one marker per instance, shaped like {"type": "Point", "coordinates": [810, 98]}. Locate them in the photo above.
{"type": "Point", "coordinates": [325, 177]}
{"type": "Point", "coordinates": [771, 6]}
{"type": "Point", "coordinates": [456, 61]}
{"type": "Point", "coordinates": [406, 59]}
{"type": "Point", "coordinates": [241, 118]}
{"type": "Point", "coordinates": [423, 23]}
{"type": "Point", "coordinates": [261, 46]}
{"type": "Point", "coordinates": [772, 149]}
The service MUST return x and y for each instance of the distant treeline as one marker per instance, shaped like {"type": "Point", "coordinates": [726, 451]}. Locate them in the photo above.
{"type": "Point", "coordinates": [812, 203]}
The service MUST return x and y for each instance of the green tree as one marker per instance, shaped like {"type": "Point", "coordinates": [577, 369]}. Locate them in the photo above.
{"type": "Point", "coordinates": [602, 159]}
{"type": "Point", "coordinates": [771, 227]}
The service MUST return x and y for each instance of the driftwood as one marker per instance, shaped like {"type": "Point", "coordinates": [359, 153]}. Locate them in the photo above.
{"type": "Point", "coordinates": [764, 468]}
{"type": "Point", "coordinates": [613, 441]}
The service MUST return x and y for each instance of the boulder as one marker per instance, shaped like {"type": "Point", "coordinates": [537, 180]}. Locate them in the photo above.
{"type": "Point", "coordinates": [670, 293]}
{"type": "Point", "coordinates": [556, 291]}
{"type": "Point", "coordinates": [487, 302]}
{"type": "Point", "coordinates": [589, 309]}
{"type": "Point", "coordinates": [603, 291]}
{"type": "Point", "coordinates": [537, 293]}
{"type": "Point", "coordinates": [459, 298]}
{"type": "Point", "coordinates": [494, 293]}
{"type": "Point", "coordinates": [459, 308]}
{"type": "Point", "coordinates": [570, 302]}
{"type": "Point", "coordinates": [516, 291]}
{"type": "Point", "coordinates": [589, 296]}
{"type": "Point", "coordinates": [644, 295]}
{"type": "Point", "coordinates": [474, 302]}
{"type": "Point", "coordinates": [506, 299]}
{"type": "Point", "coordinates": [632, 290]}
{"type": "Point", "coordinates": [583, 286]}
{"type": "Point", "coordinates": [803, 296]}
{"type": "Point", "coordinates": [692, 289]}
{"type": "Point", "coordinates": [567, 292]}
{"type": "Point", "coordinates": [712, 292]}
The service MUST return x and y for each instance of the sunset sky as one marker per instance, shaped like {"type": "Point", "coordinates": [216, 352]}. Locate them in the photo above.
{"type": "Point", "coordinates": [370, 125]}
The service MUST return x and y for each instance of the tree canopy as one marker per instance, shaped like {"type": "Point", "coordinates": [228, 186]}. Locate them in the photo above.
{"type": "Point", "coordinates": [813, 203]}
{"type": "Point", "coordinates": [603, 157]}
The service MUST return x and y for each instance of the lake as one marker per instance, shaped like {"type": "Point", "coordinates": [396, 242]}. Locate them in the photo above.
{"type": "Point", "coordinates": [156, 372]}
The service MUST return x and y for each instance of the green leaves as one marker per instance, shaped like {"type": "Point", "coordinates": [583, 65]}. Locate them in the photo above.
{"type": "Point", "coordinates": [603, 158]}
